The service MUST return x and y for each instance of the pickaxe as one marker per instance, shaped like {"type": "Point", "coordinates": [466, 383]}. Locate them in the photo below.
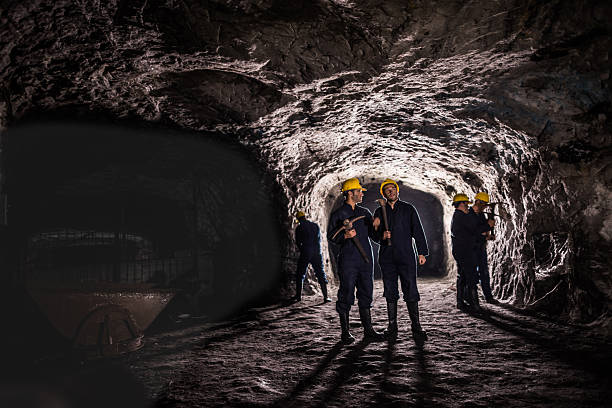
{"type": "Point", "coordinates": [383, 207]}
{"type": "Point", "coordinates": [491, 215]}
{"type": "Point", "coordinates": [347, 225]}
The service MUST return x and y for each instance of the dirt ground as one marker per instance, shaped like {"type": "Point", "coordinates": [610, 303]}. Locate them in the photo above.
{"type": "Point", "coordinates": [289, 355]}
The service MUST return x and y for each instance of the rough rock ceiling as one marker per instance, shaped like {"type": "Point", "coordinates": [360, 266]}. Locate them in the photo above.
{"type": "Point", "coordinates": [447, 96]}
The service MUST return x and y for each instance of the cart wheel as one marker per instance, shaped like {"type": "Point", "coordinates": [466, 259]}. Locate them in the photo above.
{"type": "Point", "coordinates": [106, 331]}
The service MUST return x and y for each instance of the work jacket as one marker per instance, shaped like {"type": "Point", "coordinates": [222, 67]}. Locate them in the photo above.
{"type": "Point", "coordinates": [348, 252]}
{"type": "Point", "coordinates": [465, 231]}
{"type": "Point", "coordinates": [481, 220]}
{"type": "Point", "coordinates": [405, 225]}
{"type": "Point", "coordinates": [308, 237]}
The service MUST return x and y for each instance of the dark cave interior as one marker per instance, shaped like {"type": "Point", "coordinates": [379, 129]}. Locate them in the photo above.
{"type": "Point", "coordinates": [153, 155]}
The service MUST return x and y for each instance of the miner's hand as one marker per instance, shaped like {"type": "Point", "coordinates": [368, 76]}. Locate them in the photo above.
{"type": "Point", "coordinates": [422, 259]}
{"type": "Point", "coordinates": [376, 223]}
{"type": "Point", "coordinates": [350, 233]}
{"type": "Point", "coordinates": [387, 235]}
{"type": "Point", "coordinates": [491, 223]}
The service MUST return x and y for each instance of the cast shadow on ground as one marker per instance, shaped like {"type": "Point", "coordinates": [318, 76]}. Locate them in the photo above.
{"type": "Point", "coordinates": [385, 397]}
{"type": "Point", "coordinates": [343, 373]}
{"type": "Point", "coordinates": [566, 343]}
{"type": "Point", "coordinates": [239, 326]}
{"type": "Point", "coordinates": [312, 378]}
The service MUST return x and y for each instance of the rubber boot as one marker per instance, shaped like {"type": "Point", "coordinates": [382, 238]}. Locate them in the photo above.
{"type": "Point", "coordinates": [391, 332]}
{"type": "Point", "coordinates": [474, 303]}
{"type": "Point", "coordinates": [460, 295]}
{"type": "Point", "coordinates": [346, 337]}
{"type": "Point", "coordinates": [417, 331]}
{"type": "Point", "coordinates": [369, 334]}
{"type": "Point", "coordinates": [326, 299]}
{"type": "Point", "coordinates": [298, 291]}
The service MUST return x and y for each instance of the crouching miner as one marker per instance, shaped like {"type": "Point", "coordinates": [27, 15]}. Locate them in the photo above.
{"type": "Point", "coordinates": [308, 240]}
{"type": "Point", "coordinates": [350, 227]}
{"type": "Point", "coordinates": [400, 225]}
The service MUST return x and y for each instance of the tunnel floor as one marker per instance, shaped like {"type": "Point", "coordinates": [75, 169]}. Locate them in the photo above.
{"type": "Point", "coordinates": [290, 356]}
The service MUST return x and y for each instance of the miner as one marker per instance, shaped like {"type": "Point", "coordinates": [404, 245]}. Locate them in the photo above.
{"type": "Point", "coordinates": [481, 200]}
{"type": "Point", "coordinates": [308, 240]}
{"type": "Point", "coordinates": [350, 227]}
{"type": "Point", "coordinates": [465, 232]}
{"type": "Point", "coordinates": [400, 225]}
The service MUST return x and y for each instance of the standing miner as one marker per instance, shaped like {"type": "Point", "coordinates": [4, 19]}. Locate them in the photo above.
{"type": "Point", "coordinates": [481, 200]}
{"type": "Point", "coordinates": [397, 256]}
{"type": "Point", "coordinates": [464, 235]}
{"type": "Point", "coordinates": [350, 227]}
{"type": "Point", "coordinates": [308, 240]}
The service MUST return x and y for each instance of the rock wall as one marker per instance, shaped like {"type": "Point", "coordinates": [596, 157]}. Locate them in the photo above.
{"type": "Point", "coordinates": [446, 96]}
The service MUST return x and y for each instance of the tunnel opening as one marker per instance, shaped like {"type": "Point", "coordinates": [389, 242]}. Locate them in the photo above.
{"type": "Point", "coordinates": [431, 214]}
{"type": "Point", "coordinates": [90, 205]}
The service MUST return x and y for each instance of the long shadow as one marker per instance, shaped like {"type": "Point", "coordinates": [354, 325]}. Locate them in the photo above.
{"type": "Point", "coordinates": [311, 379]}
{"type": "Point", "coordinates": [382, 398]}
{"type": "Point", "coordinates": [226, 336]}
{"type": "Point", "coordinates": [423, 379]}
{"type": "Point", "coordinates": [591, 357]}
{"type": "Point", "coordinates": [345, 371]}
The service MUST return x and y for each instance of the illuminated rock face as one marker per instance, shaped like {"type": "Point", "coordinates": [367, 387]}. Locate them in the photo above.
{"type": "Point", "coordinates": [446, 96]}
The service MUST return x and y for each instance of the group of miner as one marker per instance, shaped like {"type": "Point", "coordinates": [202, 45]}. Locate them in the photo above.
{"type": "Point", "coordinates": [397, 228]}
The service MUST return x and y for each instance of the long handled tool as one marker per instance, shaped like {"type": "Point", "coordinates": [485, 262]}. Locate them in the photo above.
{"type": "Point", "coordinates": [383, 207]}
{"type": "Point", "coordinates": [491, 215]}
{"type": "Point", "coordinates": [347, 225]}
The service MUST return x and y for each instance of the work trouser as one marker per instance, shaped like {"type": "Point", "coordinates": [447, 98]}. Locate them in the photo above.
{"type": "Point", "coordinates": [466, 276]}
{"type": "Point", "coordinates": [407, 273]}
{"type": "Point", "coordinates": [316, 260]}
{"type": "Point", "coordinates": [356, 274]}
{"type": "Point", "coordinates": [483, 271]}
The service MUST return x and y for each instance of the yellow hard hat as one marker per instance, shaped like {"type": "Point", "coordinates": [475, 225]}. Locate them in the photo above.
{"type": "Point", "coordinates": [458, 198]}
{"type": "Point", "coordinates": [384, 183]}
{"type": "Point", "coordinates": [352, 184]}
{"type": "Point", "coordinates": [482, 196]}
{"type": "Point", "coordinates": [299, 214]}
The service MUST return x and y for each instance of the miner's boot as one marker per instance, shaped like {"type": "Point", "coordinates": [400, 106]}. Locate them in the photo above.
{"type": "Point", "coordinates": [391, 332]}
{"type": "Point", "coordinates": [418, 333]}
{"type": "Point", "coordinates": [461, 294]}
{"type": "Point", "coordinates": [474, 303]}
{"type": "Point", "coordinates": [298, 291]}
{"type": "Point", "coordinates": [369, 334]}
{"type": "Point", "coordinates": [346, 337]}
{"type": "Point", "coordinates": [326, 299]}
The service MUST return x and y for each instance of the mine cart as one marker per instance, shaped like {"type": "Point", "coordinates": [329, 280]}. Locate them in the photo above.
{"type": "Point", "coordinates": [100, 290]}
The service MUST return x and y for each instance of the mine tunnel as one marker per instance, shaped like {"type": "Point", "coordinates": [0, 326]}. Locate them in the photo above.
{"type": "Point", "coordinates": [153, 156]}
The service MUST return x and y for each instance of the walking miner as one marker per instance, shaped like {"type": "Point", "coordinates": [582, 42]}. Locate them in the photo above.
{"type": "Point", "coordinates": [464, 235]}
{"type": "Point", "coordinates": [481, 200]}
{"type": "Point", "coordinates": [396, 256]}
{"type": "Point", "coordinates": [350, 227]}
{"type": "Point", "coordinates": [308, 240]}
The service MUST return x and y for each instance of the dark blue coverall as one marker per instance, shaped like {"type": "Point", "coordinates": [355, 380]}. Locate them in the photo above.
{"type": "Point", "coordinates": [308, 240]}
{"type": "Point", "coordinates": [464, 234]}
{"type": "Point", "coordinates": [353, 270]}
{"type": "Point", "coordinates": [399, 259]}
{"type": "Point", "coordinates": [481, 255]}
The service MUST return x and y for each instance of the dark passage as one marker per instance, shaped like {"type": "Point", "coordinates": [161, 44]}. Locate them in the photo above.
{"type": "Point", "coordinates": [106, 204]}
